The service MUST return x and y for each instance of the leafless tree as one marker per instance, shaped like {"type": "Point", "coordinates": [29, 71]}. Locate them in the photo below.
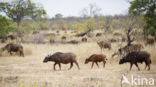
{"type": "Point", "coordinates": [92, 11]}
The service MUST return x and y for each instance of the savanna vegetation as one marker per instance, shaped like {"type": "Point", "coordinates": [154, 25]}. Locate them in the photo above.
{"type": "Point", "coordinates": [35, 38]}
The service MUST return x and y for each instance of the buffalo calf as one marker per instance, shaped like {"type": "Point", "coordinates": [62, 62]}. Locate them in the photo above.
{"type": "Point", "coordinates": [95, 58]}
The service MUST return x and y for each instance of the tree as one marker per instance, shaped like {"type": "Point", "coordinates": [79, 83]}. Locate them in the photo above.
{"type": "Point", "coordinates": [147, 8]}
{"type": "Point", "coordinates": [19, 9]}
{"type": "Point", "coordinates": [92, 11]}
{"type": "Point", "coordinates": [6, 26]}
{"type": "Point", "coordinates": [58, 15]}
{"type": "Point", "coordinates": [130, 26]}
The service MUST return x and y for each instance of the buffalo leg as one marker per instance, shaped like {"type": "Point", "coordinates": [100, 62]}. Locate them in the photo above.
{"type": "Point", "coordinates": [71, 65]}
{"type": "Point", "coordinates": [77, 64]}
{"type": "Point", "coordinates": [148, 66]}
{"type": "Point", "coordinates": [104, 64]}
{"type": "Point", "coordinates": [92, 64]}
{"type": "Point", "coordinates": [137, 66]}
{"type": "Point", "coordinates": [21, 53]}
{"type": "Point", "coordinates": [97, 64]}
{"type": "Point", "coordinates": [145, 65]}
{"type": "Point", "coordinates": [10, 53]}
{"type": "Point", "coordinates": [60, 66]}
{"type": "Point", "coordinates": [54, 66]}
{"type": "Point", "coordinates": [131, 64]}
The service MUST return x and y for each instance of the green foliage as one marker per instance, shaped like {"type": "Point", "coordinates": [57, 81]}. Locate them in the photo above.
{"type": "Point", "coordinates": [79, 27]}
{"type": "Point", "coordinates": [90, 24]}
{"type": "Point", "coordinates": [100, 24]}
{"type": "Point", "coordinates": [147, 8]}
{"type": "Point", "coordinates": [44, 24]}
{"type": "Point", "coordinates": [5, 26]}
{"type": "Point", "coordinates": [19, 9]}
{"type": "Point", "coordinates": [28, 26]}
{"type": "Point", "coordinates": [151, 30]}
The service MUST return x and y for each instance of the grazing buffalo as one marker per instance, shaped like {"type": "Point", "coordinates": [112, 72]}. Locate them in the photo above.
{"type": "Point", "coordinates": [35, 32]}
{"type": "Point", "coordinates": [137, 57]}
{"type": "Point", "coordinates": [98, 34]}
{"type": "Point", "coordinates": [103, 45]}
{"type": "Point", "coordinates": [150, 41]}
{"type": "Point", "coordinates": [95, 58]}
{"type": "Point", "coordinates": [57, 31]}
{"type": "Point", "coordinates": [84, 39]}
{"type": "Point", "coordinates": [63, 38]}
{"type": "Point", "coordinates": [14, 48]}
{"type": "Point", "coordinates": [123, 39]}
{"type": "Point", "coordinates": [64, 58]}
{"type": "Point", "coordinates": [73, 42]}
{"type": "Point", "coordinates": [12, 37]}
{"type": "Point", "coordinates": [52, 41]}
{"type": "Point", "coordinates": [3, 39]}
{"type": "Point", "coordinates": [113, 40]}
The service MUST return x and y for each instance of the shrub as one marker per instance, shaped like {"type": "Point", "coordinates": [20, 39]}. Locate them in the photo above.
{"type": "Point", "coordinates": [5, 26]}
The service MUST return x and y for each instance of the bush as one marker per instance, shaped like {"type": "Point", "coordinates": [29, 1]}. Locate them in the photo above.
{"type": "Point", "coordinates": [5, 26]}
{"type": "Point", "coordinates": [44, 24]}
{"type": "Point", "coordinates": [28, 27]}
{"type": "Point", "coordinates": [151, 31]}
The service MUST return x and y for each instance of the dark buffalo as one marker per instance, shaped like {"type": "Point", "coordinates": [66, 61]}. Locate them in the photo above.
{"type": "Point", "coordinates": [12, 37]}
{"type": "Point", "coordinates": [84, 39]}
{"type": "Point", "coordinates": [52, 41]}
{"type": "Point", "coordinates": [95, 58]}
{"type": "Point", "coordinates": [14, 48]}
{"type": "Point", "coordinates": [63, 37]}
{"type": "Point", "coordinates": [98, 34]}
{"type": "Point", "coordinates": [150, 41]}
{"type": "Point", "coordinates": [64, 58]}
{"type": "Point", "coordinates": [35, 32]}
{"type": "Point", "coordinates": [137, 57]}
{"type": "Point", "coordinates": [73, 42]}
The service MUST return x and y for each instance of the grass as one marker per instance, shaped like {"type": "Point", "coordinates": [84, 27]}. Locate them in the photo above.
{"type": "Point", "coordinates": [32, 72]}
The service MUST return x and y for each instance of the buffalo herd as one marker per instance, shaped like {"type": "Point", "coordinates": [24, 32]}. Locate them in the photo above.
{"type": "Point", "coordinates": [132, 53]}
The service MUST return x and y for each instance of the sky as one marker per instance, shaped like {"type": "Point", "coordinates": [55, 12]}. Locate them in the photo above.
{"type": "Point", "coordinates": [73, 7]}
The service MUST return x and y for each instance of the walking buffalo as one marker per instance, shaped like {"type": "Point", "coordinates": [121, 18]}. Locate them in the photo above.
{"type": "Point", "coordinates": [95, 58]}
{"type": "Point", "coordinates": [14, 48]}
{"type": "Point", "coordinates": [137, 57]}
{"type": "Point", "coordinates": [64, 58]}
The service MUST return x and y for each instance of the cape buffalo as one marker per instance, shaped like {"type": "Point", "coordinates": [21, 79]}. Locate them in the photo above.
{"type": "Point", "coordinates": [103, 45]}
{"type": "Point", "coordinates": [14, 48]}
{"type": "Point", "coordinates": [137, 57]}
{"type": "Point", "coordinates": [84, 39]}
{"type": "Point", "coordinates": [64, 58]}
{"type": "Point", "coordinates": [95, 58]}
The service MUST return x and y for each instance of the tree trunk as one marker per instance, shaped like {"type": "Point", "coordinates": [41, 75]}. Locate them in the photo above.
{"type": "Point", "coordinates": [18, 32]}
{"type": "Point", "coordinates": [155, 33]}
